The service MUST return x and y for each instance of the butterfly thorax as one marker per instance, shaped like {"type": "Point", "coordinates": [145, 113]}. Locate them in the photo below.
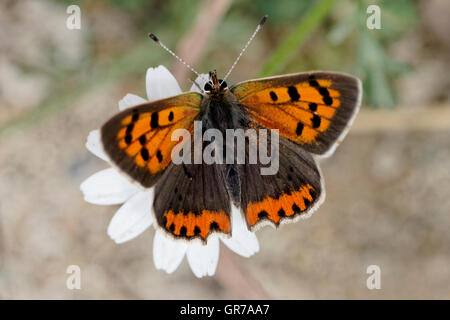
{"type": "Point", "coordinates": [220, 111]}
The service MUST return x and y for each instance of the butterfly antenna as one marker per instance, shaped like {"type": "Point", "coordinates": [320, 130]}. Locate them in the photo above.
{"type": "Point", "coordinates": [197, 85]}
{"type": "Point", "coordinates": [261, 23]}
{"type": "Point", "coordinates": [154, 38]}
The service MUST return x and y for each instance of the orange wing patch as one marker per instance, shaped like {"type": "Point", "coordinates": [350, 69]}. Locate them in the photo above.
{"type": "Point", "coordinates": [146, 137]}
{"type": "Point", "coordinates": [301, 111]}
{"type": "Point", "coordinates": [138, 139]}
{"type": "Point", "coordinates": [287, 205]}
{"type": "Point", "coordinates": [192, 225]}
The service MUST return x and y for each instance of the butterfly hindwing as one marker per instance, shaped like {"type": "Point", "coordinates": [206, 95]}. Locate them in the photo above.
{"type": "Point", "coordinates": [294, 191]}
{"type": "Point", "coordinates": [138, 139]}
{"type": "Point", "coordinates": [313, 109]}
{"type": "Point", "coordinates": [191, 201]}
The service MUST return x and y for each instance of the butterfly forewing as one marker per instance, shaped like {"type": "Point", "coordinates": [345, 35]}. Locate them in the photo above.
{"type": "Point", "coordinates": [138, 140]}
{"type": "Point", "coordinates": [312, 109]}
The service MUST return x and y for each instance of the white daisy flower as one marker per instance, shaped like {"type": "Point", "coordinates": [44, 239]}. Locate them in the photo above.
{"type": "Point", "coordinates": [110, 187]}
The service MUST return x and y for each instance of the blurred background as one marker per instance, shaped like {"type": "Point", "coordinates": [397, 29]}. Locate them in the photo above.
{"type": "Point", "coordinates": [388, 184]}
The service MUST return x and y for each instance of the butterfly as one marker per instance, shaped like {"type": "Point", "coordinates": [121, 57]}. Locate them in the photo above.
{"type": "Point", "coordinates": [312, 112]}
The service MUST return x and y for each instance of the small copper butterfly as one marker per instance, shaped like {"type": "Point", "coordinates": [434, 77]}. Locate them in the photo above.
{"type": "Point", "coordinates": [312, 112]}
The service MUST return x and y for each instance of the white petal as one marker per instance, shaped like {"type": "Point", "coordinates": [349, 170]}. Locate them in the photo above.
{"type": "Point", "coordinates": [130, 100]}
{"type": "Point", "coordinates": [94, 145]}
{"type": "Point", "coordinates": [133, 217]}
{"type": "Point", "coordinates": [167, 253]}
{"type": "Point", "coordinates": [200, 81]}
{"type": "Point", "coordinates": [243, 242]}
{"type": "Point", "coordinates": [161, 84]}
{"type": "Point", "coordinates": [107, 187]}
{"type": "Point", "coordinates": [203, 258]}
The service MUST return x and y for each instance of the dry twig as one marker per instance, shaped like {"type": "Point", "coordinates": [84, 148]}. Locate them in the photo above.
{"type": "Point", "coordinates": [193, 45]}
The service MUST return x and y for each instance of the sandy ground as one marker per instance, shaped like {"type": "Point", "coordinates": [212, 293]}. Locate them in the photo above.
{"type": "Point", "coordinates": [387, 201]}
{"type": "Point", "coordinates": [387, 205]}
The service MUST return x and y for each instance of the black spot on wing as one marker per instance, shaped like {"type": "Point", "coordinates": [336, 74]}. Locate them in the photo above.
{"type": "Point", "coordinates": [324, 92]}
{"type": "Point", "coordinates": [144, 154]}
{"type": "Point", "coordinates": [159, 156]}
{"type": "Point", "coordinates": [307, 202]}
{"type": "Point", "coordinates": [325, 96]}
{"type": "Point", "coordinates": [262, 214]}
{"type": "Point", "coordinates": [328, 101]}
{"type": "Point", "coordinates": [128, 136]}
{"type": "Point", "coordinates": [213, 226]}
{"type": "Point", "coordinates": [299, 129]}
{"type": "Point", "coordinates": [142, 139]}
{"type": "Point", "coordinates": [293, 93]}
{"type": "Point", "coordinates": [273, 96]}
{"type": "Point", "coordinates": [154, 120]}
{"type": "Point", "coordinates": [315, 121]}
{"type": "Point", "coordinates": [130, 128]}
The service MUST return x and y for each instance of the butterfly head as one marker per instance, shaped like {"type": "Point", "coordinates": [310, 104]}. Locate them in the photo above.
{"type": "Point", "coordinates": [214, 85]}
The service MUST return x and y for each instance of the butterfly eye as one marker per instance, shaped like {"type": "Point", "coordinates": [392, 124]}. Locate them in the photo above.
{"type": "Point", "coordinates": [223, 84]}
{"type": "Point", "coordinates": [208, 86]}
